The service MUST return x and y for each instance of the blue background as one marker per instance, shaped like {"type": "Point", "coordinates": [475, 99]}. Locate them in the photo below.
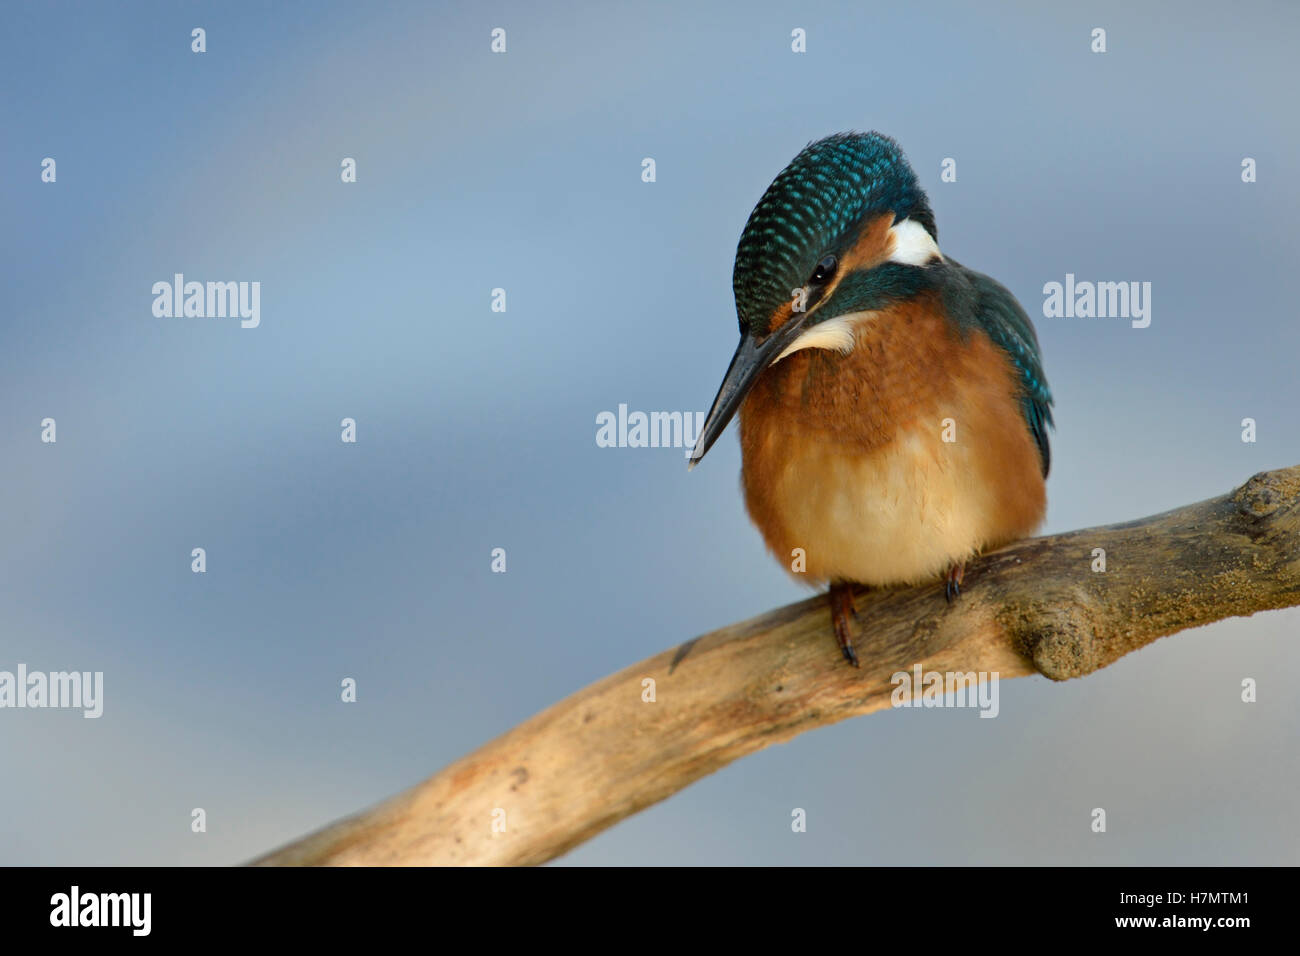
{"type": "Point", "coordinates": [476, 429]}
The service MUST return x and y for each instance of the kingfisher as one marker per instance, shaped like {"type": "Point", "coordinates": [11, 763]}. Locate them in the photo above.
{"type": "Point", "coordinates": [893, 406]}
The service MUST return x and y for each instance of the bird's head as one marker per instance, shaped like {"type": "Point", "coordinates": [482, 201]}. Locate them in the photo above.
{"type": "Point", "coordinates": [844, 229]}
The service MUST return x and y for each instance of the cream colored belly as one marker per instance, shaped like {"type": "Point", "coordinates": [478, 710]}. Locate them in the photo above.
{"type": "Point", "coordinates": [902, 515]}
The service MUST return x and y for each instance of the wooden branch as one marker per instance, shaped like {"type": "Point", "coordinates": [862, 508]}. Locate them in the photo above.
{"type": "Point", "coordinates": [1035, 607]}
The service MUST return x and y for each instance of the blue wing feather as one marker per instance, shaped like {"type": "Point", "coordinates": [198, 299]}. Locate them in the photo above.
{"type": "Point", "coordinates": [995, 310]}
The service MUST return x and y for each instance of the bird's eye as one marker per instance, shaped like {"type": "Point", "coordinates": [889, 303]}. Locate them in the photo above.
{"type": "Point", "coordinates": [825, 269]}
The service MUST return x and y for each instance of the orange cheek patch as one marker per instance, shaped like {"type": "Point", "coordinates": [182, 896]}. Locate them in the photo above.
{"type": "Point", "coordinates": [873, 246]}
{"type": "Point", "coordinates": [782, 315]}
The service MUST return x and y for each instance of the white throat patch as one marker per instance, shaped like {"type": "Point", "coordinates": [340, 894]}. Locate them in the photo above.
{"type": "Point", "coordinates": [836, 335]}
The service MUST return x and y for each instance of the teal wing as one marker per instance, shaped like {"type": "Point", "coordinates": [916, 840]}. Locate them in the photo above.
{"type": "Point", "coordinates": [995, 310]}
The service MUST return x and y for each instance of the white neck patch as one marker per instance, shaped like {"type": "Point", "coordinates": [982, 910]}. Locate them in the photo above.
{"type": "Point", "coordinates": [913, 246]}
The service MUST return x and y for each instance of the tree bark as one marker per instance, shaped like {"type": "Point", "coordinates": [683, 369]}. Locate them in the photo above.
{"type": "Point", "coordinates": [1038, 606]}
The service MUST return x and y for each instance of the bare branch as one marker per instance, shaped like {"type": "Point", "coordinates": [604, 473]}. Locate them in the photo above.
{"type": "Point", "coordinates": [1035, 607]}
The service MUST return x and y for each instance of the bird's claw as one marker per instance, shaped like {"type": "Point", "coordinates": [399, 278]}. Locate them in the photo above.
{"type": "Point", "coordinates": [842, 609]}
{"type": "Point", "coordinates": [952, 586]}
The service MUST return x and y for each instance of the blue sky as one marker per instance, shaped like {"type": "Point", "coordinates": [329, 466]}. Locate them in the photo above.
{"type": "Point", "coordinates": [476, 429]}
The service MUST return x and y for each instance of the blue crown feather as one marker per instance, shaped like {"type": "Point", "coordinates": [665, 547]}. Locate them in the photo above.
{"type": "Point", "coordinates": [815, 206]}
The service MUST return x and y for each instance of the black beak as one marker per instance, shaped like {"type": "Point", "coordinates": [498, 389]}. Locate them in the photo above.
{"type": "Point", "coordinates": [752, 356]}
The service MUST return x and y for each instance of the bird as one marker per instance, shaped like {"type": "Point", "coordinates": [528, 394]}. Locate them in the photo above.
{"type": "Point", "coordinates": [893, 407]}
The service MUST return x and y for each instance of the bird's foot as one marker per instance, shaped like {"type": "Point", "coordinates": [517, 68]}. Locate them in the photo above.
{"type": "Point", "coordinates": [842, 610]}
{"type": "Point", "coordinates": [952, 587]}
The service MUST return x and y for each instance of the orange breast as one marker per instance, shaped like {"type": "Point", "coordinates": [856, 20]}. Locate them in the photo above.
{"type": "Point", "coordinates": [846, 456]}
